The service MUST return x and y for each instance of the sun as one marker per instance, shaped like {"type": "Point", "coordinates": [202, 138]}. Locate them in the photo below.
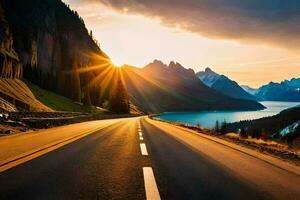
{"type": "Point", "coordinates": [117, 66]}
{"type": "Point", "coordinates": [117, 63]}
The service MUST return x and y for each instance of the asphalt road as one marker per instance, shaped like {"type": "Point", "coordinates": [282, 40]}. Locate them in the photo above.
{"type": "Point", "coordinates": [108, 164]}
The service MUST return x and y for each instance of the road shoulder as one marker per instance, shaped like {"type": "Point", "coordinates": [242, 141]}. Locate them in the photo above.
{"type": "Point", "coordinates": [250, 152]}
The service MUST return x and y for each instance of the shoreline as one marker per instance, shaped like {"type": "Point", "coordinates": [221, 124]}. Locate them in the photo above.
{"type": "Point", "coordinates": [268, 147]}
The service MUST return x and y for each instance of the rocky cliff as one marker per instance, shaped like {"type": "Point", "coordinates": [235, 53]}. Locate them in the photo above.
{"type": "Point", "coordinates": [10, 65]}
{"type": "Point", "coordinates": [52, 46]}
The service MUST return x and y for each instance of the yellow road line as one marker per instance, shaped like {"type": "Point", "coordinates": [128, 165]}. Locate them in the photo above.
{"type": "Point", "coordinates": [29, 155]}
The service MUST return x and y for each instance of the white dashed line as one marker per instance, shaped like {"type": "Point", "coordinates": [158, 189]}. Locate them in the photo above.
{"type": "Point", "coordinates": [152, 192]}
{"type": "Point", "coordinates": [143, 149]}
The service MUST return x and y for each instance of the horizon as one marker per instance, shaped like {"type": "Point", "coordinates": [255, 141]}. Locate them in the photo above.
{"type": "Point", "coordinates": [122, 30]}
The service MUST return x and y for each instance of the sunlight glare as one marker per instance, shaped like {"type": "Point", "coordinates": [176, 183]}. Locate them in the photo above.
{"type": "Point", "coordinates": [117, 63]}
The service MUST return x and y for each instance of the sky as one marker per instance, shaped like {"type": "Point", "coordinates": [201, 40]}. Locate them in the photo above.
{"type": "Point", "coordinates": [252, 42]}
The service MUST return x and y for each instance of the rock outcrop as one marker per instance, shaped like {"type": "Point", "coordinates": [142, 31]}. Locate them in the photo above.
{"type": "Point", "coordinates": [10, 65]}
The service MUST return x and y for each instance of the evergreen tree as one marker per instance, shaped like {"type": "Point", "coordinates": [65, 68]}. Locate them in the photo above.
{"type": "Point", "coordinates": [223, 128]}
{"type": "Point", "coordinates": [243, 133]}
{"type": "Point", "coordinates": [264, 134]}
{"type": "Point", "coordinates": [217, 128]}
{"type": "Point", "coordinates": [255, 133]}
{"type": "Point", "coordinates": [91, 34]}
{"type": "Point", "coordinates": [119, 101]}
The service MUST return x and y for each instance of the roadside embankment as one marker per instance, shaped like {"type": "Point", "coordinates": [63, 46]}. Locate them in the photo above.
{"type": "Point", "coordinates": [269, 147]}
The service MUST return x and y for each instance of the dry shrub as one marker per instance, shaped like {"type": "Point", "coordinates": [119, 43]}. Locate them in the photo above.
{"type": "Point", "coordinates": [257, 141]}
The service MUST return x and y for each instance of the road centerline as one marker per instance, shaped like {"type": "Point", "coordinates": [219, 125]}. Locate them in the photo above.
{"type": "Point", "coordinates": [144, 149]}
{"type": "Point", "coordinates": [152, 192]}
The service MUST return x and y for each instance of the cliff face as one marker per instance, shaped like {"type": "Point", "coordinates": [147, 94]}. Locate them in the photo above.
{"type": "Point", "coordinates": [10, 66]}
{"type": "Point", "coordinates": [54, 48]}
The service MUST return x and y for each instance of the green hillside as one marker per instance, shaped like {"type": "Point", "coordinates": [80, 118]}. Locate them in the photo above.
{"type": "Point", "coordinates": [59, 103]}
{"type": "Point", "coordinates": [23, 93]}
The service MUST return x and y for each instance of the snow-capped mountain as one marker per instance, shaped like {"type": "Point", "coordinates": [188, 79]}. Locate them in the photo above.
{"type": "Point", "coordinates": [223, 84]}
{"type": "Point", "coordinates": [208, 77]}
{"type": "Point", "coordinates": [288, 90]}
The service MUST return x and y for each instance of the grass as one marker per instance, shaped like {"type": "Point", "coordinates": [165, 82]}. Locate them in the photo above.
{"type": "Point", "coordinates": [60, 103]}
{"type": "Point", "coordinates": [257, 141]}
{"type": "Point", "coordinates": [41, 100]}
{"type": "Point", "coordinates": [266, 143]}
{"type": "Point", "coordinates": [19, 90]}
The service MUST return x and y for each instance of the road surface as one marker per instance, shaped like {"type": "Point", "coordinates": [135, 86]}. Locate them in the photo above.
{"type": "Point", "coordinates": [138, 158]}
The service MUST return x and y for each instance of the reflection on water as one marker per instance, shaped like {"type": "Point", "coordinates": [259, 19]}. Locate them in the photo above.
{"type": "Point", "coordinates": [209, 118]}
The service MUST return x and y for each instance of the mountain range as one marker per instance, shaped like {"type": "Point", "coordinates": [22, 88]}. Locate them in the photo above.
{"type": "Point", "coordinates": [159, 87]}
{"type": "Point", "coordinates": [223, 84]}
{"type": "Point", "coordinates": [288, 90]}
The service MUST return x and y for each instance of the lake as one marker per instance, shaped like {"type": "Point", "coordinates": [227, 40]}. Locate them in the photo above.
{"type": "Point", "coordinates": [208, 118]}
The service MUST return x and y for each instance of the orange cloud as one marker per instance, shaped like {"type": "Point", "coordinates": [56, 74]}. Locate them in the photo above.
{"type": "Point", "coordinates": [274, 22]}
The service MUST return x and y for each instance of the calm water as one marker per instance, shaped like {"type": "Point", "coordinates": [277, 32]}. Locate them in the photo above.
{"type": "Point", "coordinates": [209, 118]}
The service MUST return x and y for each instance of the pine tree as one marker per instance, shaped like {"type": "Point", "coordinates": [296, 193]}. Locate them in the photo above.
{"type": "Point", "coordinates": [223, 128]}
{"type": "Point", "coordinates": [119, 101]}
{"type": "Point", "coordinates": [243, 133]}
{"type": "Point", "coordinates": [264, 134]}
{"type": "Point", "coordinates": [91, 34]}
{"type": "Point", "coordinates": [217, 128]}
{"type": "Point", "coordinates": [86, 90]}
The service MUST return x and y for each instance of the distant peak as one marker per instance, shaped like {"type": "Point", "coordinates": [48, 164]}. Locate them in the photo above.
{"type": "Point", "coordinates": [176, 65]}
{"type": "Point", "coordinates": [157, 65]}
{"type": "Point", "coordinates": [207, 69]}
{"type": "Point", "coordinates": [157, 61]}
{"type": "Point", "coordinates": [172, 63]}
